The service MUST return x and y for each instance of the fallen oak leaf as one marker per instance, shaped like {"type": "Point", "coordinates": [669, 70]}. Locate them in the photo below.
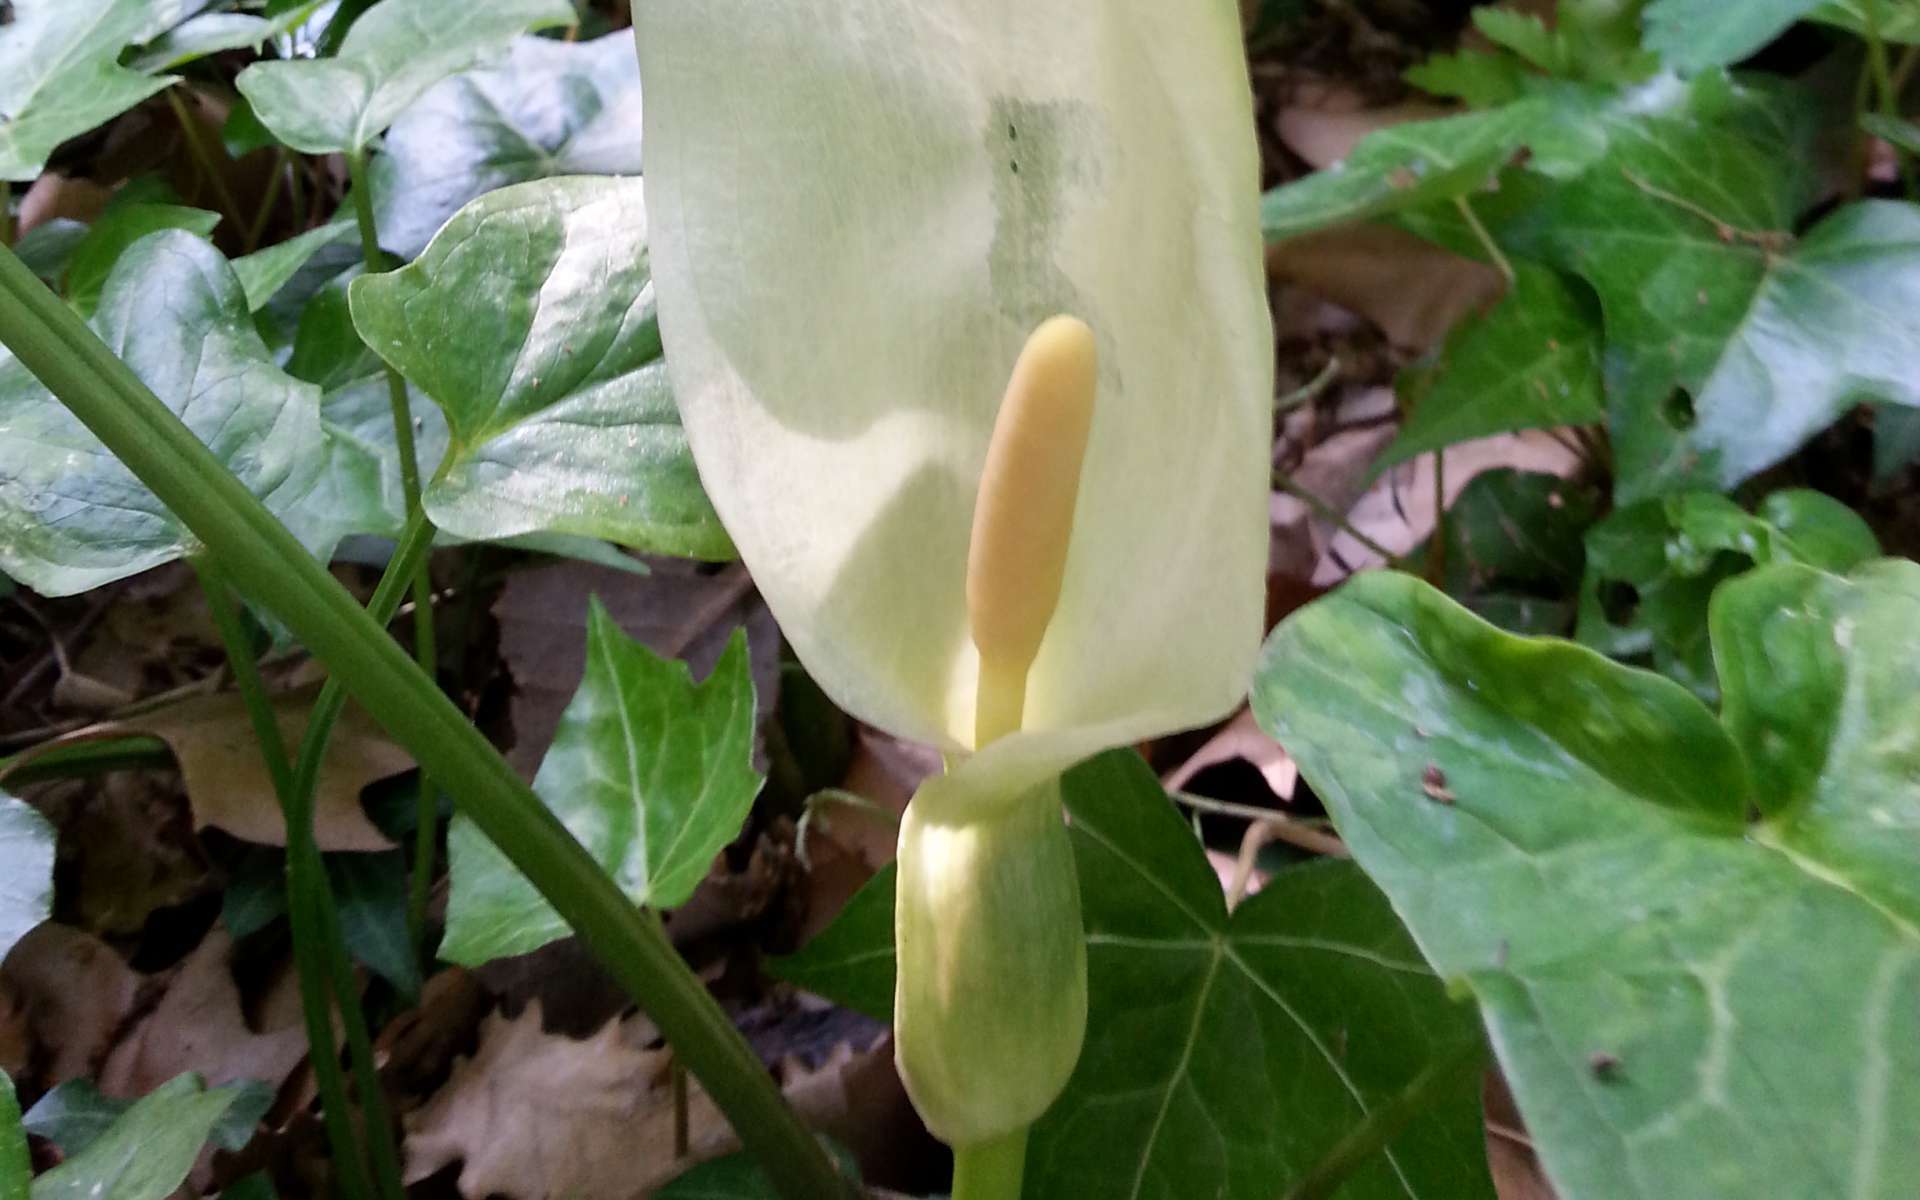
{"type": "Point", "coordinates": [534, 1114]}
{"type": "Point", "coordinates": [199, 1026]}
{"type": "Point", "coordinates": [227, 784]}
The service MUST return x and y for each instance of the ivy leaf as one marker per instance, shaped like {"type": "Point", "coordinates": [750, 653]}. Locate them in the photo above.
{"type": "Point", "coordinates": [1226, 1054]}
{"type": "Point", "coordinates": [851, 960]}
{"type": "Point", "coordinates": [1668, 556]}
{"type": "Point", "coordinates": [1400, 167]}
{"type": "Point", "coordinates": [1692, 35]}
{"type": "Point", "coordinates": [549, 108]}
{"type": "Point", "coordinates": [1730, 343]}
{"type": "Point", "coordinates": [652, 772]}
{"type": "Point", "coordinates": [1514, 552]}
{"type": "Point", "coordinates": [1531, 363]}
{"type": "Point", "coordinates": [71, 516]}
{"type": "Point", "coordinates": [530, 321]}
{"type": "Point", "coordinates": [60, 76]}
{"type": "Point", "coordinates": [119, 227]}
{"type": "Point", "coordinates": [398, 50]}
{"type": "Point", "coordinates": [75, 1114]}
{"type": "Point", "coordinates": [26, 870]}
{"type": "Point", "coordinates": [146, 1153]}
{"type": "Point", "coordinates": [1646, 959]}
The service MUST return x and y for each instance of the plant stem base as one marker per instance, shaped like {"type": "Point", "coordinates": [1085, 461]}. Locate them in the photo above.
{"type": "Point", "coordinates": [990, 1170]}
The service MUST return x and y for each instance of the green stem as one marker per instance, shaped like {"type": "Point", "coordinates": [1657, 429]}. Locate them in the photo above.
{"type": "Point", "coordinates": [203, 158]}
{"type": "Point", "coordinates": [258, 229]}
{"type": "Point", "coordinates": [1487, 243]}
{"type": "Point", "coordinates": [1283, 482]}
{"type": "Point", "coordinates": [104, 394]}
{"type": "Point", "coordinates": [991, 1170]}
{"type": "Point", "coordinates": [1385, 1122]}
{"type": "Point", "coordinates": [424, 648]}
{"type": "Point", "coordinates": [309, 956]}
{"type": "Point", "coordinates": [1887, 94]}
{"type": "Point", "coordinates": [83, 759]}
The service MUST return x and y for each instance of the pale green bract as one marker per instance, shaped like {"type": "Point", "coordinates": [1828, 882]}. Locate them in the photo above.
{"type": "Point", "coordinates": [860, 211]}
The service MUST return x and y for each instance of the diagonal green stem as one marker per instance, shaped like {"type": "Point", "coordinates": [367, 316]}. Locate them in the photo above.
{"type": "Point", "coordinates": [309, 956]}
{"type": "Point", "coordinates": [1386, 1122]}
{"type": "Point", "coordinates": [53, 343]}
{"type": "Point", "coordinates": [424, 651]}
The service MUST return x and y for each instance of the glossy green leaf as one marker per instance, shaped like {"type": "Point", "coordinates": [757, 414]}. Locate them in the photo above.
{"type": "Point", "coordinates": [371, 891]}
{"type": "Point", "coordinates": [327, 350]}
{"type": "Point", "coordinates": [651, 771]}
{"type": "Point", "coordinates": [1400, 167]}
{"type": "Point", "coordinates": [16, 1164]}
{"type": "Point", "coordinates": [548, 108]}
{"type": "Point", "coordinates": [1695, 34]}
{"type": "Point", "coordinates": [60, 75]}
{"type": "Point", "coordinates": [1730, 341]}
{"type": "Point", "coordinates": [1514, 551]}
{"type": "Point", "coordinates": [398, 50]}
{"type": "Point", "coordinates": [146, 1153]}
{"type": "Point", "coordinates": [1226, 1054]}
{"type": "Point", "coordinates": [264, 272]}
{"type": "Point", "coordinates": [530, 322]}
{"type": "Point", "coordinates": [118, 228]}
{"type": "Point", "coordinates": [208, 33]}
{"type": "Point", "coordinates": [1685, 1004]}
{"type": "Point", "coordinates": [360, 490]}
{"type": "Point", "coordinates": [75, 1114]}
{"type": "Point", "coordinates": [851, 960]}
{"type": "Point", "coordinates": [73, 518]}
{"type": "Point", "coordinates": [1531, 363]}
{"type": "Point", "coordinates": [1653, 567]}
{"type": "Point", "coordinates": [26, 869]}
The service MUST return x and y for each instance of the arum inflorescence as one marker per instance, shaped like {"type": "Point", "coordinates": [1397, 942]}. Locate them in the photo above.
{"type": "Point", "coordinates": [964, 310]}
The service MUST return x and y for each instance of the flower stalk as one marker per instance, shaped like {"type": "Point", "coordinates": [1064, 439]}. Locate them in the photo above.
{"type": "Point", "coordinates": [991, 1003]}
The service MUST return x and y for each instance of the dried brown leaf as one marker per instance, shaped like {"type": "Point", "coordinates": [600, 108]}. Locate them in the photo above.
{"type": "Point", "coordinates": [534, 1114]}
{"type": "Point", "coordinates": [199, 1025]}
{"type": "Point", "coordinates": [226, 778]}
{"type": "Point", "coordinates": [75, 992]}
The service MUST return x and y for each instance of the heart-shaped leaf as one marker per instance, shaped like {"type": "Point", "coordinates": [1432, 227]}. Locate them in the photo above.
{"type": "Point", "coordinates": [548, 108]}
{"type": "Point", "coordinates": [26, 870]}
{"type": "Point", "coordinates": [651, 771]}
{"type": "Point", "coordinates": [60, 75]}
{"type": "Point", "coordinates": [1531, 363]}
{"type": "Point", "coordinates": [1684, 1002]}
{"type": "Point", "coordinates": [1227, 1054]}
{"type": "Point", "coordinates": [398, 50]}
{"type": "Point", "coordinates": [530, 321]}
{"type": "Point", "coordinates": [71, 516]}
